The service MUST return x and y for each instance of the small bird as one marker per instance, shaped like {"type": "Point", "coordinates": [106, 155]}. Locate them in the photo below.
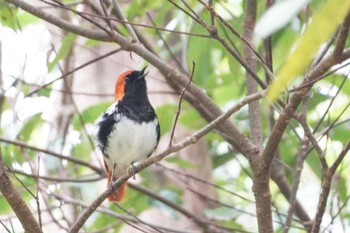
{"type": "Point", "coordinates": [129, 130]}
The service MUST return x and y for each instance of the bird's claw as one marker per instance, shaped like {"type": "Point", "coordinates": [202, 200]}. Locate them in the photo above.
{"type": "Point", "coordinates": [132, 171]}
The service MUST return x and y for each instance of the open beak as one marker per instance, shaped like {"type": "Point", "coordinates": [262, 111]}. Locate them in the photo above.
{"type": "Point", "coordinates": [142, 72]}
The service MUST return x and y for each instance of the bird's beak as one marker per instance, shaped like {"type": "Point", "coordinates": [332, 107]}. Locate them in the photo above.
{"type": "Point", "coordinates": [142, 72]}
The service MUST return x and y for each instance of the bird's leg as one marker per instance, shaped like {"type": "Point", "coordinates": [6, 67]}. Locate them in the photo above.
{"type": "Point", "coordinates": [132, 171]}
{"type": "Point", "coordinates": [113, 171]}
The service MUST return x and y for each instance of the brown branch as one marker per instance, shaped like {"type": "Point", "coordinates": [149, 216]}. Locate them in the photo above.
{"type": "Point", "coordinates": [302, 155]}
{"type": "Point", "coordinates": [177, 80]}
{"type": "Point", "coordinates": [252, 86]}
{"type": "Point", "coordinates": [180, 103]}
{"type": "Point", "coordinates": [176, 147]}
{"type": "Point", "coordinates": [342, 38]}
{"type": "Point", "coordinates": [91, 34]}
{"type": "Point", "coordinates": [17, 204]}
{"type": "Point", "coordinates": [261, 176]}
{"type": "Point", "coordinates": [283, 120]}
{"type": "Point", "coordinates": [309, 134]}
{"type": "Point", "coordinates": [326, 187]}
{"type": "Point", "coordinates": [114, 214]}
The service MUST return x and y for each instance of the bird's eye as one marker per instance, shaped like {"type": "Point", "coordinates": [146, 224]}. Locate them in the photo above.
{"type": "Point", "coordinates": [127, 78]}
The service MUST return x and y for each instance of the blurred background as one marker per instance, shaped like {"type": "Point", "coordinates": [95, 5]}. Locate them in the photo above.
{"type": "Point", "coordinates": [55, 84]}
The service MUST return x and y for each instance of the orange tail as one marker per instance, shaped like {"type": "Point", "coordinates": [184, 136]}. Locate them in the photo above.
{"type": "Point", "coordinates": [120, 193]}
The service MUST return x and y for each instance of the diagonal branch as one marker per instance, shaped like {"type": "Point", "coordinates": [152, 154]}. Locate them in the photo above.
{"type": "Point", "coordinates": [17, 204]}
{"type": "Point", "coordinates": [176, 147]}
{"type": "Point", "coordinates": [326, 187]}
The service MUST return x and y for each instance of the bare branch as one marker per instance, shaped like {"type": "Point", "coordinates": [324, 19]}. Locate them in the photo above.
{"type": "Point", "coordinates": [180, 103]}
{"type": "Point", "coordinates": [342, 38]}
{"type": "Point", "coordinates": [176, 147]}
{"type": "Point", "coordinates": [75, 69]}
{"type": "Point", "coordinates": [17, 204]}
{"type": "Point", "coordinates": [252, 86]}
{"type": "Point", "coordinates": [326, 187]}
{"type": "Point", "coordinates": [283, 120]}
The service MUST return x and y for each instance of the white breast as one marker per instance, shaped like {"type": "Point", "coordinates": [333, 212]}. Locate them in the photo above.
{"type": "Point", "coordinates": [130, 141]}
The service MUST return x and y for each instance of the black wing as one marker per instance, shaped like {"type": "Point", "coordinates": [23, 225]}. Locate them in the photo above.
{"type": "Point", "coordinates": [105, 125]}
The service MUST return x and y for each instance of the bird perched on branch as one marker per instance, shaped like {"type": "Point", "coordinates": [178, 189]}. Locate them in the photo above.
{"type": "Point", "coordinates": [128, 131]}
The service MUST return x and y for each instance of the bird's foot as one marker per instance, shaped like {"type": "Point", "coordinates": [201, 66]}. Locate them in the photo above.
{"type": "Point", "coordinates": [132, 171]}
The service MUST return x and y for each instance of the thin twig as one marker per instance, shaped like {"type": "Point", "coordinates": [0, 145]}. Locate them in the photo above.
{"type": "Point", "coordinates": [121, 15]}
{"type": "Point", "coordinates": [330, 103]}
{"type": "Point", "coordinates": [166, 45]}
{"type": "Point", "coordinates": [326, 186]}
{"type": "Point", "coordinates": [57, 179]}
{"type": "Point", "coordinates": [176, 147]}
{"type": "Point", "coordinates": [116, 215]}
{"type": "Point", "coordinates": [37, 194]}
{"type": "Point", "coordinates": [167, 202]}
{"type": "Point", "coordinates": [52, 153]}
{"type": "Point", "coordinates": [293, 197]}
{"type": "Point", "coordinates": [74, 70]}
{"type": "Point", "coordinates": [180, 103]}
{"type": "Point", "coordinates": [137, 218]}
{"type": "Point", "coordinates": [312, 139]}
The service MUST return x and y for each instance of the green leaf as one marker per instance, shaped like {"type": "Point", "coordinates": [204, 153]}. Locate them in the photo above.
{"type": "Point", "coordinates": [8, 15]}
{"type": "Point", "coordinates": [321, 28]}
{"type": "Point", "coordinates": [90, 114]}
{"type": "Point", "coordinates": [64, 50]}
{"type": "Point", "coordinates": [166, 115]}
{"type": "Point", "coordinates": [5, 207]}
{"type": "Point", "coordinates": [222, 159]}
{"type": "Point", "coordinates": [190, 118]}
{"type": "Point", "coordinates": [342, 188]}
{"type": "Point", "coordinates": [92, 43]}
{"type": "Point", "coordinates": [341, 133]}
{"type": "Point", "coordinates": [222, 213]}
{"type": "Point", "coordinates": [29, 127]}
{"type": "Point", "coordinates": [181, 162]}
{"type": "Point", "coordinates": [24, 18]}
{"type": "Point", "coordinates": [82, 150]}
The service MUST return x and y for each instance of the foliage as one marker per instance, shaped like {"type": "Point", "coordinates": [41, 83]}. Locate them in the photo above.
{"type": "Point", "coordinates": [48, 144]}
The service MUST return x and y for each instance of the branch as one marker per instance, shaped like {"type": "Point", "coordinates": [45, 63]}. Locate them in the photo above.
{"type": "Point", "coordinates": [297, 174]}
{"type": "Point", "coordinates": [283, 120]}
{"type": "Point", "coordinates": [252, 86]}
{"type": "Point", "coordinates": [180, 103]}
{"type": "Point", "coordinates": [342, 38]}
{"type": "Point", "coordinates": [91, 34]}
{"type": "Point", "coordinates": [52, 153]}
{"type": "Point", "coordinates": [176, 80]}
{"type": "Point", "coordinates": [109, 212]}
{"type": "Point", "coordinates": [74, 70]}
{"type": "Point", "coordinates": [309, 134]}
{"type": "Point", "coordinates": [176, 147]}
{"type": "Point", "coordinates": [17, 204]}
{"type": "Point", "coordinates": [326, 187]}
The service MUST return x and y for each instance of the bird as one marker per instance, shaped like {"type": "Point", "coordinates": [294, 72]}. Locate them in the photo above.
{"type": "Point", "coordinates": [128, 131]}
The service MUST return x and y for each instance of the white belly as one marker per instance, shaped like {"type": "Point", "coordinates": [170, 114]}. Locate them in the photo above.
{"type": "Point", "coordinates": [131, 142]}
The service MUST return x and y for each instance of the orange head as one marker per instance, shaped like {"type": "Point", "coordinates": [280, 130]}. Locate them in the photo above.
{"type": "Point", "coordinates": [130, 83]}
